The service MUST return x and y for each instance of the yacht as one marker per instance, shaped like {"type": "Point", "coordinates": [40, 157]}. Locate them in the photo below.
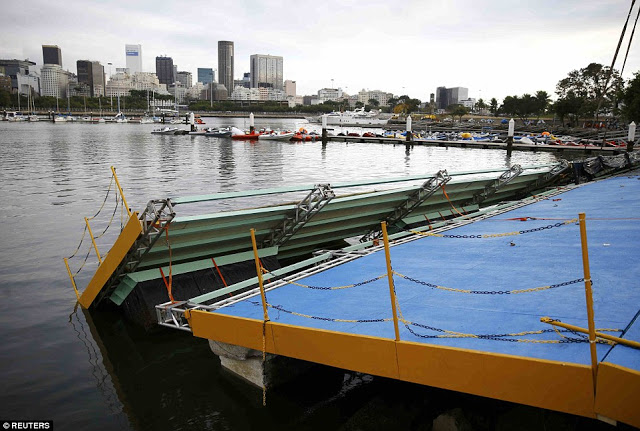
{"type": "Point", "coordinates": [357, 117]}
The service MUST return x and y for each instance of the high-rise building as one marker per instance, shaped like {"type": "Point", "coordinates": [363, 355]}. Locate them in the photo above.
{"type": "Point", "coordinates": [185, 79]}
{"type": "Point", "coordinates": [205, 75]}
{"type": "Point", "coordinates": [51, 54]}
{"type": "Point", "coordinates": [290, 87]}
{"type": "Point", "coordinates": [54, 80]}
{"type": "Point", "coordinates": [15, 68]}
{"type": "Point", "coordinates": [450, 96]}
{"type": "Point", "coordinates": [225, 64]}
{"type": "Point", "coordinates": [266, 71]}
{"type": "Point", "coordinates": [92, 74]}
{"type": "Point", "coordinates": [164, 70]}
{"type": "Point", "coordinates": [134, 58]}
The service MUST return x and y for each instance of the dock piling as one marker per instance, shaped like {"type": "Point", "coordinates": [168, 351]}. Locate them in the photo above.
{"type": "Point", "coordinates": [409, 136]}
{"type": "Point", "coordinates": [251, 124]}
{"type": "Point", "coordinates": [512, 125]}
{"type": "Point", "coordinates": [631, 136]}
{"type": "Point", "coordinates": [324, 129]}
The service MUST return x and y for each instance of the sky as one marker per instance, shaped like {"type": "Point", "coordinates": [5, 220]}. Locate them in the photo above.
{"type": "Point", "coordinates": [495, 48]}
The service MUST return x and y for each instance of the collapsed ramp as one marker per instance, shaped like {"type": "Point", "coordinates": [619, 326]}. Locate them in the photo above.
{"type": "Point", "coordinates": [178, 249]}
{"type": "Point", "coordinates": [466, 307]}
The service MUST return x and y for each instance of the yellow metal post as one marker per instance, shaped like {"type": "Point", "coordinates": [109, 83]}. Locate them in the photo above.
{"type": "Point", "coordinates": [259, 272]}
{"type": "Point", "coordinates": [589, 295]}
{"type": "Point", "coordinates": [574, 328]}
{"type": "Point", "coordinates": [390, 277]}
{"type": "Point", "coordinates": [73, 281]}
{"type": "Point", "coordinates": [124, 201]}
{"type": "Point", "coordinates": [86, 220]}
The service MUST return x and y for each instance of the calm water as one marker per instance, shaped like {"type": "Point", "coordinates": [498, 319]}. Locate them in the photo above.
{"type": "Point", "coordinates": [99, 372]}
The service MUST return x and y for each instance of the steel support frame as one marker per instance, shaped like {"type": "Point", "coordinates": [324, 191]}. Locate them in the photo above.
{"type": "Point", "coordinates": [155, 219]}
{"type": "Point", "coordinates": [490, 189]}
{"type": "Point", "coordinates": [415, 199]}
{"type": "Point", "coordinates": [320, 196]}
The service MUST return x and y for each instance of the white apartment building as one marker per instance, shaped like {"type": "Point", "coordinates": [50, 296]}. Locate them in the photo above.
{"type": "Point", "coordinates": [54, 80]}
{"type": "Point", "coordinates": [134, 58]}
{"type": "Point", "coordinates": [329, 94]}
{"type": "Point", "coordinates": [383, 98]}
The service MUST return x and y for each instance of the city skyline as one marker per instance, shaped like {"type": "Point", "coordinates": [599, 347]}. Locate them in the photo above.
{"type": "Point", "coordinates": [495, 49]}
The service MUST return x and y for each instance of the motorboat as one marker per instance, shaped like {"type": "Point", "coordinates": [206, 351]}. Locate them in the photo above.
{"type": "Point", "coordinates": [240, 135]}
{"type": "Point", "coordinates": [356, 117]}
{"type": "Point", "coordinates": [166, 131]}
{"type": "Point", "coordinates": [59, 119]}
{"type": "Point", "coordinates": [218, 133]}
{"type": "Point", "coordinates": [275, 136]}
{"type": "Point", "coordinates": [120, 118]}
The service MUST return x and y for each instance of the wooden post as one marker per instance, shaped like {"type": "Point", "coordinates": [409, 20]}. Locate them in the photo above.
{"type": "Point", "coordinates": [259, 272]}
{"type": "Point", "coordinates": [589, 297]}
{"type": "Point", "coordinates": [631, 137]}
{"type": "Point", "coordinates": [409, 136]}
{"type": "Point", "coordinates": [324, 129]}
{"type": "Point", "coordinates": [392, 292]}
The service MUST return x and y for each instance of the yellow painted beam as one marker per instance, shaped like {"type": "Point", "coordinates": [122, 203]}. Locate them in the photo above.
{"type": "Point", "coordinates": [119, 250]}
{"type": "Point", "coordinates": [370, 355]}
{"type": "Point", "coordinates": [559, 386]}
{"type": "Point", "coordinates": [618, 393]}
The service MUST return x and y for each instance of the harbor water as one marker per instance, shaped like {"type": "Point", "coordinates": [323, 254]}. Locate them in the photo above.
{"type": "Point", "coordinates": [97, 371]}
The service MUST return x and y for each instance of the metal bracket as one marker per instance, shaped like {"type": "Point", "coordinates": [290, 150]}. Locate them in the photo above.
{"type": "Point", "coordinates": [490, 189]}
{"type": "Point", "coordinates": [156, 217]}
{"type": "Point", "coordinates": [320, 196]}
{"type": "Point", "coordinates": [414, 200]}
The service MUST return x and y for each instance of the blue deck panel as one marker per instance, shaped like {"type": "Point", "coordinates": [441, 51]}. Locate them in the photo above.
{"type": "Point", "coordinates": [535, 259]}
{"type": "Point", "coordinates": [624, 355]}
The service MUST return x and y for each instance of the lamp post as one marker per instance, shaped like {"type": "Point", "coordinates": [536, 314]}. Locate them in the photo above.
{"type": "Point", "coordinates": [110, 92]}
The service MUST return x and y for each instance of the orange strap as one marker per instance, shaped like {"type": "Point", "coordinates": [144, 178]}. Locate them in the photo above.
{"type": "Point", "coordinates": [170, 283]}
{"type": "Point", "coordinates": [219, 273]}
{"type": "Point", "coordinates": [444, 192]}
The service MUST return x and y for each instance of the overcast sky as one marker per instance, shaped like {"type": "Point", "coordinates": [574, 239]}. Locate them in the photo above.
{"type": "Point", "coordinates": [494, 48]}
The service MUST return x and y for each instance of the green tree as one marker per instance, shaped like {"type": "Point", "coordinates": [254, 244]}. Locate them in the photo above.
{"type": "Point", "coordinates": [493, 107]}
{"type": "Point", "coordinates": [543, 100]}
{"type": "Point", "coordinates": [457, 110]}
{"type": "Point", "coordinates": [481, 105]}
{"type": "Point", "coordinates": [631, 99]}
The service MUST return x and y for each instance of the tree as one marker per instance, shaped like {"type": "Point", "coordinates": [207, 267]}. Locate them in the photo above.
{"type": "Point", "coordinates": [543, 100]}
{"type": "Point", "coordinates": [481, 105]}
{"type": "Point", "coordinates": [494, 106]}
{"type": "Point", "coordinates": [457, 111]}
{"type": "Point", "coordinates": [373, 102]}
{"type": "Point", "coordinates": [596, 85]}
{"type": "Point", "coordinates": [631, 99]}
{"type": "Point", "coordinates": [359, 105]}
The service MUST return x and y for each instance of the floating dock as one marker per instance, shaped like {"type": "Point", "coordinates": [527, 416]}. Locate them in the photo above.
{"type": "Point", "coordinates": [482, 289]}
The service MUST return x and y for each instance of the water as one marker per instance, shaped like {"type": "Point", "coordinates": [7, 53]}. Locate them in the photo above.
{"type": "Point", "coordinates": [99, 372]}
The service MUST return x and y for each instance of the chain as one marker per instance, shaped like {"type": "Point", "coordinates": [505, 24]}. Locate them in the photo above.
{"type": "Point", "coordinates": [362, 283]}
{"type": "Point", "coordinates": [497, 235]}
{"type": "Point", "coordinates": [325, 319]}
{"type": "Point", "coordinates": [104, 201]}
{"type": "Point", "coordinates": [115, 210]}
{"type": "Point", "coordinates": [488, 292]}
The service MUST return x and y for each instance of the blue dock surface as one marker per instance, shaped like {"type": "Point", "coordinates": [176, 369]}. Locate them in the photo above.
{"type": "Point", "coordinates": [469, 304]}
{"type": "Point", "coordinates": [492, 317]}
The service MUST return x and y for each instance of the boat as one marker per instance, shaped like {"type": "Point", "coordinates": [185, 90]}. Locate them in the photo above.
{"type": "Point", "coordinates": [355, 118]}
{"type": "Point", "coordinates": [198, 132]}
{"type": "Point", "coordinates": [240, 135]}
{"type": "Point", "coordinates": [120, 118]}
{"type": "Point", "coordinates": [147, 120]}
{"type": "Point", "coordinates": [165, 131]}
{"type": "Point", "coordinates": [275, 136]}
{"type": "Point", "coordinates": [59, 119]}
{"type": "Point", "coordinates": [218, 133]}
{"type": "Point", "coordinates": [33, 118]}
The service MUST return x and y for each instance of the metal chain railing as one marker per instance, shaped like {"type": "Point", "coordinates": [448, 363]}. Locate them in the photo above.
{"type": "Point", "coordinates": [497, 235]}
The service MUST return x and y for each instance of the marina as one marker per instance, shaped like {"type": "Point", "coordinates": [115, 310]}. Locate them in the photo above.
{"type": "Point", "coordinates": [469, 225]}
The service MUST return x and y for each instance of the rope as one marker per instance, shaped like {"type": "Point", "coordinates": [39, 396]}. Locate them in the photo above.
{"type": "Point", "coordinates": [489, 292]}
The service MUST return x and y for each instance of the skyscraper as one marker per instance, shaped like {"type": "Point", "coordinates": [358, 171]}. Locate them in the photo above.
{"type": "Point", "coordinates": [134, 58]}
{"type": "Point", "coordinates": [164, 70]}
{"type": "Point", "coordinates": [450, 96]}
{"type": "Point", "coordinates": [92, 74]}
{"type": "Point", "coordinates": [266, 71]}
{"type": "Point", "coordinates": [51, 54]}
{"type": "Point", "coordinates": [184, 78]}
{"type": "Point", "coordinates": [225, 64]}
{"type": "Point", "coordinates": [205, 75]}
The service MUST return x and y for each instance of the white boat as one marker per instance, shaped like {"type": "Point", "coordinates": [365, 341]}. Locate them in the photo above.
{"type": "Point", "coordinates": [165, 131]}
{"type": "Point", "coordinates": [219, 133]}
{"type": "Point", "coordinates": [120, 118]}
{"type": "Point", "coordinates": [147, 120]}
{"type": "Point", "coordinates": [33, 118]}
{"type": "Point", "coordinates": [59, 119]}
{"type": "Point", "coordinates": [354, 118]}
{"type": "Point", "coordinates": [275, 136]}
